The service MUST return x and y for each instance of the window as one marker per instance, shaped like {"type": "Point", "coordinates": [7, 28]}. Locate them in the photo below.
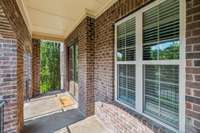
{"type": "Point", "coordinates": [125, 70]}
{"type": "Point", "coordinates": [126, 41]}
{"type": "Point", "coordinates": [161, 42]}
{"type": "Point", "coordinates": [161, 31]}
{"type": "Point", "coordinates": [150, 62]}
{"type": "Point", "coordinates": [73, 68]}
{"type": "Point", "coordinates": [126, 86]}
{"type": "Point", "coordinates": [161, 83]}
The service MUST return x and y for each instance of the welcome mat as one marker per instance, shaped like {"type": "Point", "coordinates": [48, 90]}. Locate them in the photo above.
{"type": "Point", "coordinates": [66, 101]}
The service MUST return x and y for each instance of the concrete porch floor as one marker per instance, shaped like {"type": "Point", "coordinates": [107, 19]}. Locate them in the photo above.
{"type": "Point", "coordinates": [44, 115]}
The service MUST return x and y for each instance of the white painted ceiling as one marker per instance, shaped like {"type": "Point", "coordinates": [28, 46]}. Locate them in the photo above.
{"type": "Point", "coordinates": [59, 17]}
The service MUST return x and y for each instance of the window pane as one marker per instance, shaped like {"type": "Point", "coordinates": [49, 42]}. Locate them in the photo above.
{"type": "Point", "coordinates": [121, 55]}
{"type": "Point", "coordinates": [169, 20]}
{"type": "Point", "coordinates": [161, 31]}
{"type": "Point", "coordinates": [126, 84]}
{"type": "Point", "coordinates": [150, 25]}
{"type": "Point", "coordinates": [126, 40]}
{"type": "Point", "coordinates": [163, 51]}
{"type": "Point", "coordinates": [161, 89]}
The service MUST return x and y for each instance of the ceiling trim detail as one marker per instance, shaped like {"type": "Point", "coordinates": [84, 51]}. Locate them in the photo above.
{"type": "Point", "coordinates": [25, 15]}
{"type": "Point", "coordinates": [89, 13]}
{"type": "Point", "coordinates": [46, 36]}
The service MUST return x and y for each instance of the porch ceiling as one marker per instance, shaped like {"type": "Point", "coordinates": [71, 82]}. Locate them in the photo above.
{"type": "Point", "coordinates": [55, 19]}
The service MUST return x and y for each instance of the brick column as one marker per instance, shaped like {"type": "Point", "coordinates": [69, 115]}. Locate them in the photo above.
{"type": "Point", "coordinates": [8, 82]}
{"type": "Point", "coordinates": [16, 38]}
{"type": "Point", "coordinates": [85, 35]}
{"type": "Point", "coordinates": [89, 95]}
{"type": "Point", "coordinates": [35, 67]}
{"type": "Point", "coordinates": [193, 67]}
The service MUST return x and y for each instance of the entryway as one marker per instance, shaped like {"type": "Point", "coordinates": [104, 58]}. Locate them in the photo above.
{"type": "Point", "coordinates": [73, 69]}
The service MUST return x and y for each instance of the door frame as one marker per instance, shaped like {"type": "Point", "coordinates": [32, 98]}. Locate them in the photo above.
{"type": "Point", "coordinates": [73, 44]}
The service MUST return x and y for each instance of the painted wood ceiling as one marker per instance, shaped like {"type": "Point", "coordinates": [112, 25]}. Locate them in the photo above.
{"type": "Point", "coordinates": [57, 18]}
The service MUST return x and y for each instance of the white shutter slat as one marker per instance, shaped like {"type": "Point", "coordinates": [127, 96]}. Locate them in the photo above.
{"type": "Point", "coordinates": [126, 84]}
{"type": "Point", "coordinates": [161, 86]}
{"type": "Point", "coordinates": [126, 40]}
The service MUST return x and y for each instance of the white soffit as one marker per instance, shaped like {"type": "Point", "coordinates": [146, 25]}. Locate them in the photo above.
{"type": "Point", "coordinates": [60, 17]}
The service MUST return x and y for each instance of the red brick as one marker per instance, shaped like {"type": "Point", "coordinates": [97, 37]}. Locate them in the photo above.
{"type": "Point", "coordinates": [196, 93]}
{"type": "Point", "coordinates": [197, 77]}
{"type": "Point", "coordinates": [188, 105]}
{"type": "Point", "coordinates": [193, 10]}
{"type": "Point", "coordinates": [35, 91]}
{"type": "Point", "coordinates": [196, 107]}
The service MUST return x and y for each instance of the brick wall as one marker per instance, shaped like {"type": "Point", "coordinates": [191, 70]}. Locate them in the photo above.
{"type": "Point", "coordinates": [193, 66]}
{"type": "Point", "coordinates": [8, 82]}
{"type": "Point", "coordinates": [22, 37]}
{"type": "Point", "coordinates": [35, 67]}
{"type": "Point", "coordinates": [115, 116]}
{"type": "Point", "coordinates": [84, 33]}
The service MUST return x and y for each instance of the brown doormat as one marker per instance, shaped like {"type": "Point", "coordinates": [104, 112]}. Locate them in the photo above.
{"type": "Point", "coordinates": [66, 101]}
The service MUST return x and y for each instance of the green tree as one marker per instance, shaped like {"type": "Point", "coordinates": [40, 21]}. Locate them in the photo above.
{"type": "Point", "coordinates": [50, 66]}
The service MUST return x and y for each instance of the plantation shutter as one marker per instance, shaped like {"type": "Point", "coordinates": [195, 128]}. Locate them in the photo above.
{"type": "Point", "coordinates": [169, 20]}
{"type": "Point", "coordinates": [161, 23]}
{"type": "Point", "coordinates": [126, 41]}
{"type": "Point", "coordinates": [126, 84]}
{"type": "Point", "coordinates": [126, 52]}
{"type": "Point", "coordinates": [161, 84]}
{"type": "Point", "coordinates": [150, 26]}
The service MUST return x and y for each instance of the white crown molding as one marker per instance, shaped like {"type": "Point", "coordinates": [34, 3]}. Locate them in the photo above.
{"type": "Point", "coordinates": [86, 13]}
{"type": "Point", "coordinates": [25, 15]}
{"type": "Point", "coordinates": [89, 13]}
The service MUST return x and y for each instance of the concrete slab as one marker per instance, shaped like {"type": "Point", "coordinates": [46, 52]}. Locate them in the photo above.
{"type": "Point", "coordinates": [41, 106]}
{"type": "Point", "coordinates": [44, 115]}
{"type": "Point", "coordinates": [89, 125]}
{"type": "Point", "coordinates": [45, 105]}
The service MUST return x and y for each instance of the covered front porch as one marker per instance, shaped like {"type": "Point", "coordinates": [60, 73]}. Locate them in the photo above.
{"type": "Point", "coordinates": [124, 66]}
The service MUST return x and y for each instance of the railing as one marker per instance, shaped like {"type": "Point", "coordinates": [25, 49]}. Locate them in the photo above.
{"type": "Point", "coordinates": [1, 115]}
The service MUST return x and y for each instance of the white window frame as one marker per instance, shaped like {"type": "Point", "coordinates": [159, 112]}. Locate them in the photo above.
{"type": "Point", "coordinates": [139, 62]}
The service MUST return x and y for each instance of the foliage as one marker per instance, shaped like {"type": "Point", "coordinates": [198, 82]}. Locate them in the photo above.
{"type": "Point", "coordinates": [50, 66]}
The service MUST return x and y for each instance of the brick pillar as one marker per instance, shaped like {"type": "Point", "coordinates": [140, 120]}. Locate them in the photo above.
{"type": "Point", "coordinates": [35, 67]}
{"type": "Point", "coordinates": [8, 82]}
{"type": "Point", "coordinates": [84, 34]}
{"type": "Point", "coordinates": [90, 100]}
{"type": "Point", "coordinates": [193, 67]}
{"type": "Point", "coordinates": [20, 85]}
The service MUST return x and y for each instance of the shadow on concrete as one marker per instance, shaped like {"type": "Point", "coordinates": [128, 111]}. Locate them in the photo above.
{"type": "Point", "coordinates": [55, 123]}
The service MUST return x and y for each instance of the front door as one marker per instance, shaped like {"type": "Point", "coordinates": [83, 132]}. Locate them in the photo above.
{"type": "Point", "coordinates": [73, 71]}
